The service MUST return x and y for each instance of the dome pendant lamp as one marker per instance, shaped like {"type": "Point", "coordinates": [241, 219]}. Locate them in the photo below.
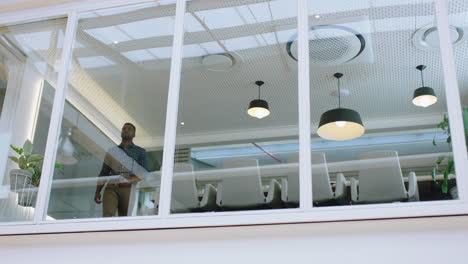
{"type": "Point", "coordinates": [340, 123]}
{"type": "Point", "coordinates": [424, 96]}
{"type": "Point", "coordinates": [258, 108]}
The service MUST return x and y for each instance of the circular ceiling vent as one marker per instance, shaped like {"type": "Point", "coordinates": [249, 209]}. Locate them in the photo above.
{"type": "Point", "coordinates": [427, 37]}
{"type": "Point", "coordinates": [330, 44]}
{"type": "Point", "coordinates": [218, 62]}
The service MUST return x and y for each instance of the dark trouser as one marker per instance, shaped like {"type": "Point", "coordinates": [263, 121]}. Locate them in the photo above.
{"type": "Point", "coordinates": [115, 197]}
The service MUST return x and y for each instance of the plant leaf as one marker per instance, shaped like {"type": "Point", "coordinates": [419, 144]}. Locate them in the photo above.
{"type": "Point", "coordinates": [434, 174]}
{"type": "Point", "coordinates": [17, 150]}
{"type": "Point", "coordinates": [439, 160]}
{"type": "Point", "coordinates": [444, 187]}
{"type": "Point", "coordinates": [35, 158]}
{"type": "Point", "coordinates": [13, 158]}
{"type": "Point", "coordinates": [449, 139]}
{"type": "Point", "coordinates": [27, 147]}
{"type": "Point", "coordinates": [450, 166]}
{"type": "Point", "coordinates": [23, 163]}
{"type": "Point", "coordinates": [58, 165]}
{"type": "Point", "coordinates": [31, 170]}
{"type": "Point", "coordinates": [434, 141]}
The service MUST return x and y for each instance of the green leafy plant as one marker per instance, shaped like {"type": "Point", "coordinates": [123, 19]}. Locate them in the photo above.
{"type": "Point", "coordinates": [29, 162]}
{"type": "Point", "coordinates": [450, 167]}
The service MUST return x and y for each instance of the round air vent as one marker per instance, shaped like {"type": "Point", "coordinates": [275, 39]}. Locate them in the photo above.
{"type": "Point", "coordinates": [427, 37]}
{"type": "Point", "coordinates": [330, 44]}
{"type": "Point", "coordinates": [218, 62]}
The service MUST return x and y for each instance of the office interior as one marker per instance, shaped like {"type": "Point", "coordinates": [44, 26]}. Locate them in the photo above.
{"type": "Point", "coordinates": [229, 156]}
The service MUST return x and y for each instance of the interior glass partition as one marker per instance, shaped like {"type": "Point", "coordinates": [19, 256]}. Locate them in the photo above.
{"type": "Point", "coordinates": [376, 135]}
{"type": "Point", "coordinates": [29, 58]}
{"type": "Point", "coordinates": [113, 123]}
{"type": "Point", "coordinates": [237, 134]}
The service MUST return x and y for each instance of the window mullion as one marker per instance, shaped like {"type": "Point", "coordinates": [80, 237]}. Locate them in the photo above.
{"type": "Point", "coordinates": [56, 120]}
{"type": "Point", "coordinates": [172, 111]}
{"type": "Point", "coordinates": [305, 170]}
{"type": "Point", "coordinates": [452, 94]}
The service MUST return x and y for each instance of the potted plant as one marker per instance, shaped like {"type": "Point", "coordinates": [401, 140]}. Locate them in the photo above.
{"type": "Point", "coordinates": [450, 165]}
{"type": "Point", "coordinates": [29, 173]}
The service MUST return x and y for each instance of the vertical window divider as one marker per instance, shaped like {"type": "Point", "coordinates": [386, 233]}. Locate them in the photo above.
{"type": "Point", "coordinates": [452, 94]}
{"type": "Point", "coordinates": [305, 168]}
{"type": "Point", "coordinates": [56, 119]}
{"type": "Point", "coordinates": [170, 132]}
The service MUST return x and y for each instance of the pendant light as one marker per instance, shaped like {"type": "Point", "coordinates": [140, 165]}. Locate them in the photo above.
{"type": "Point", "coordinates": [424, 96]}
{"type": "Point", "coordinates": [258, 108]}
{"type": "Point", "coordinates": [340, 123]}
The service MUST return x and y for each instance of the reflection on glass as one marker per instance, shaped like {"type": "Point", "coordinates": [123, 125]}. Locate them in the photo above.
{"type": "Point", "coordinates": [233, 139]}
{"type": "Point", "coordinates": [377, 48]}
{"type": "Point", "coordinates": [28, 56]}
{"type": "Point", "coordinates": [113, 123]}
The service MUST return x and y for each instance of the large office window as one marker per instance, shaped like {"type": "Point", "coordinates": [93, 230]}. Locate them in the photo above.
{"type": "Point", "coordinates": [237, 120]}
{"type": "Point", "coordinates": [382, 121]}
{"type": "Point", "coordinates": [378, 99]}
{"type": "Point", "coordinates": [113, 124]}
{"type": "Point", "coordinates": [29, 59]}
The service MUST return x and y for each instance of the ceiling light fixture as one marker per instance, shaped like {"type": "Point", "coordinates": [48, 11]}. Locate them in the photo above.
{"type": "Point", "coordinates": [258, 108]}
{"type": "Point", "coordinates": [424, 96]}
{"type": "Point", "coordinates": [66, 150]}
{"type": "Point", "coordinates": [340, 123]}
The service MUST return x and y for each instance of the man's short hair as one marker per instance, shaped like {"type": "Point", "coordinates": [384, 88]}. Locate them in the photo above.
{"type": "Point", "coordinates": [132, 125]}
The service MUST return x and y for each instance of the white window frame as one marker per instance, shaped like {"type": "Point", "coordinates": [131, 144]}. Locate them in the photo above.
{"type": "Point", "coordinates": [305, 213]}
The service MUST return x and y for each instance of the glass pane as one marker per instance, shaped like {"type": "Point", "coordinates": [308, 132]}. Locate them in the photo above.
{"type": "Point", "coordinates": [237, 135]}
{"type": "Point", "coordinates": [113, 124]}
{"type": "Point", "coordinates": [376, 137]}
{"type": "Point", "coordinates": [29, 55]}
{"type": "Point", "coordinates": [458, 21]}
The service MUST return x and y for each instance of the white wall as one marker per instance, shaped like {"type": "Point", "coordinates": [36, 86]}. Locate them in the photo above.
{"type": "Point", "coordinates": [419, 240]}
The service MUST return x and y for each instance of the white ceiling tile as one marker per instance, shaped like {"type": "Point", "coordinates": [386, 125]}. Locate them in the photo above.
{"type": "Point", "coordinates": [220, 18]}
{"type": "Point", "coordinates": [260, 11]}
{"type": "Point", "coordinates": [163, 26]}
{"type": "Point", "coordinates": [241, 43]}
{"type": "Point", "coordinates": [212, 47]}
{"type": "Point", "coordinates": [35, 41]}
{"type": "Point", "coordinates": [138, 55]}
{"type": "Point", "coordinates": [282, 9]}
{"type": "Point", "coordinates": [193, 50]}
{"type": "Point", "coordinates": [94, 62]}
{"type": "Point", "coordinates": [191, 24]}
{"type": "Point", "coordinates": [108, 35]}
{"type": "Point", "coordinates": [162, 53]}
{"type": "Point", "coordinates": [246, 14]}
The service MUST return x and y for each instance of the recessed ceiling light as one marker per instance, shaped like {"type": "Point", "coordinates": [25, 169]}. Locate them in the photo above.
{"type": "Point", "coordinates": [115, 42]}
{"type": "Point", "coordinates": [317, 16]}
{"type": "Point", "coordinates": [182, 123]}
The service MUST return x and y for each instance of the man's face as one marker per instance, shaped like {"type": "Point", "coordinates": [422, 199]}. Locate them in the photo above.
{"type": "Point", "coordinates": [127, 132]}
